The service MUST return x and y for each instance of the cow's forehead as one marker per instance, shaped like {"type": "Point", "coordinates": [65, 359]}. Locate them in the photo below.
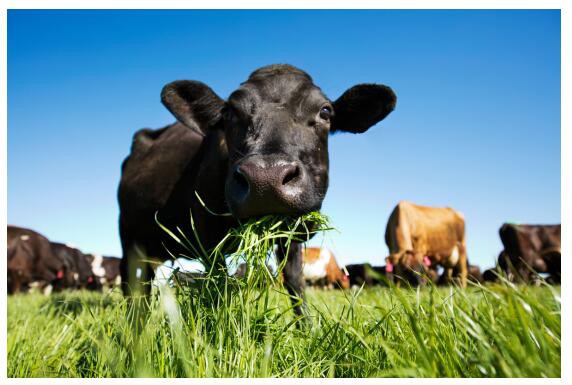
{"type": "Point", "coordinates": [279, 89]}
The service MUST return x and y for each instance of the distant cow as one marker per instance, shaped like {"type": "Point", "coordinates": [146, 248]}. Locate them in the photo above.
{"type": "Point", "coordinates": [474, 274]}
{"type": "Point", "coordinates": [241, 270]}
{"type": "Point", "coordinates": [262, 151]}
{"type": "Point", "coordinates": [112, 272]}
{"type": "Point", "coordinates": [491, 275]}
{"type": "Point", "coordinates": [420, 236]}
{"type": "Point", "coordinates": [529, 247]}
{"type": "Point", "coordinates": [321, 269]}
{"type": "Point", "coordinates": [106, 269]}
{"type": "Point", "coordinates": [79, 274]}
{"type": "Point", "coordinates": [365, 274]}
{"type": "Point", "coordinates": [31, 260]}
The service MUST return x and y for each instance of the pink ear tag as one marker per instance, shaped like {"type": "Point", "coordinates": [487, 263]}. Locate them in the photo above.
{"type": "Point", "coordinates": [389, 267]}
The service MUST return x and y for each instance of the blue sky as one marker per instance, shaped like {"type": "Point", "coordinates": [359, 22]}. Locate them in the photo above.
{"type": "Point", "coordinates": [477, 124]}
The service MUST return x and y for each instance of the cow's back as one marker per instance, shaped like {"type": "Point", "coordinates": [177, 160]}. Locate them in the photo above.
{"type": "Point", "coordinates": [45, 264]}
{"type": "Point", "coordinates": [530, 244]}
{"type": "Point", "coordinates": [157, 161]}
{"type": "Point", "coordinates": [431, 229]}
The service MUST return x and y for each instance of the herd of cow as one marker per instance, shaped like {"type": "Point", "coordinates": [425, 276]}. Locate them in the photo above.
{"type": "Point", "coordinates": [263, 150]}
{"type": "Point", "coordinates": [35, 261]}
{"type": "Point", "coordinates": [422, 240]}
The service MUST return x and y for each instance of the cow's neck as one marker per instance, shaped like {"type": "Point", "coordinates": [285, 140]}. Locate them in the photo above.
{"type": "Point", "coordinates": [211, 176]}
{"type": "Point", "coordinates": [211, 215]}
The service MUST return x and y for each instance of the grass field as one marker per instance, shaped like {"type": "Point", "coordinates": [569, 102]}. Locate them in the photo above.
{"type": "Point", "coordinates": [491, 331]}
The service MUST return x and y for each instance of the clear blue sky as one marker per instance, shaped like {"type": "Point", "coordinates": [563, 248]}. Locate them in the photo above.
{"type": "Point", "coordinates": [477, 124]}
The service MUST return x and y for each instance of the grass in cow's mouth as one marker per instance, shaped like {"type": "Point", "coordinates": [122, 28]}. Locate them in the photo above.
{"type": "Point", "coordinates": [250, 243]}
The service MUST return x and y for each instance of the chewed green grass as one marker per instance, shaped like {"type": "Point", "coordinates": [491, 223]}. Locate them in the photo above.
{"type": "Point", "coordinates": [250, 243]}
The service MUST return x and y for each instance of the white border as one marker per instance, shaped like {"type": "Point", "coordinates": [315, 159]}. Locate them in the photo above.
{"type": "Point", "coordinates": [566, 103]}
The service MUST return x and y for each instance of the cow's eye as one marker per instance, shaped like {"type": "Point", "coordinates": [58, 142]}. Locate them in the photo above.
{"type": "Point", "coordinates": [326, 113]}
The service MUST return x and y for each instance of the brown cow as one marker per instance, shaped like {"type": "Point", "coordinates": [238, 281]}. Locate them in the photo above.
{"type": "Point", "coordinates": [320, 268]}
{"type": "Point", "coordinates": [32, 260]}
{"type": "Point", "coordinates": [420, 236]}
{"type": "Point", "coordinates": [529, 248]}
{"type": "Point", "coordinates": [20, 265]}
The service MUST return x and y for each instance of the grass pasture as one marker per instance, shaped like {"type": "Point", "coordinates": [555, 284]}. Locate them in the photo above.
{"type": "Point", "coordinates": [224, 326]}
{"type": "Point", "coordinates": [500, 330]}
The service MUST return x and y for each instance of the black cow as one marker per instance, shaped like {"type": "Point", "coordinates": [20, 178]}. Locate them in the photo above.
{"type": "Point", "coordinates": [264, 150]}
{"type": "Point", "coordinates": [491, 275]}
{"type": "Point", "coordinates": [79, 274]}
{"type": "Point", "coordinates": [529, 249]}
{"type": "Point", "coordinates": [366, 274]}
{"type": "Point", "coordinates": [32, 260]}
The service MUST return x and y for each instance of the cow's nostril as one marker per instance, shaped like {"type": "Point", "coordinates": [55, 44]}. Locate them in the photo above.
{"type": "Point", "coordinates": [241, 185]}
{"type": "Point", "coordinates": [291, 173]}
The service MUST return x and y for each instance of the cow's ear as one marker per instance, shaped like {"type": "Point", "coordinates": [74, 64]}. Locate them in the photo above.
{"type": "Point", "coordinates": [193, 103]}
{"type": "Point", "coordinates": [361, 107]}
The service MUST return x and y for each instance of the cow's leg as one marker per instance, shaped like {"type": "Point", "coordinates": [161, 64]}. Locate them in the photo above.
{"type": "Point", "coordinates": [555, 278]}
{"type": "Point", "coordinates": [136, 277]}
{"type": "Point", "coordinates": [419, 270]}
{"type": "Point", "coordinates": [124, 268]}
{"type": "Point", "coordinates": [136, 272]}
{"type": "Point", "coordinates": [448, 275]}
{"type": "Point", "coordinates": [463, 267]}
{"type": "Point", "coordinates": [523, 273]}
{"type": "Point", "coordinates": [293, 277]}
{"type": "Point", "coordinates": [17, 285]}
{"type": "Point", "coordinates": [399, 261]}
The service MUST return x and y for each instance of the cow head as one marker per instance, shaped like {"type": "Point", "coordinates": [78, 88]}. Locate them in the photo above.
{"type": "Point", "coordinates": [408, 267]}
{"type": "Point", "coordinates": [276, 127]}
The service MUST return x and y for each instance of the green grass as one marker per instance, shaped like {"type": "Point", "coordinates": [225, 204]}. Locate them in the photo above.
{"type": "Point", "coordinates": [228, 327]}
{"type": "Point", "coordinates": [477, 332]}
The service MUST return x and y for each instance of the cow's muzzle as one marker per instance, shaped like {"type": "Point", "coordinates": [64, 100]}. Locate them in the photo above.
{"type": "Point", "coordinates": [259, 186]}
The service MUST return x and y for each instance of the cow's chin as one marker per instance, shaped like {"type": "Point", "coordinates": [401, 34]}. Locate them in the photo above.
{"type": "Point", "coordinates": [255, 209]}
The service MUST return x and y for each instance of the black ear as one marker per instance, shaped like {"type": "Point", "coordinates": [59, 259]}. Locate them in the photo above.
{"type": "Point", "coordinates": [361, 107]}
{"type": "Point", "coordinates": [193, 103]}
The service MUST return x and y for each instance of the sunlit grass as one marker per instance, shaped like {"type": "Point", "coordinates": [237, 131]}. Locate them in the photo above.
{"type": "Point", "coordinates": [500, 330]}
{"type": "Point", "coordinates": [230, 327]}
